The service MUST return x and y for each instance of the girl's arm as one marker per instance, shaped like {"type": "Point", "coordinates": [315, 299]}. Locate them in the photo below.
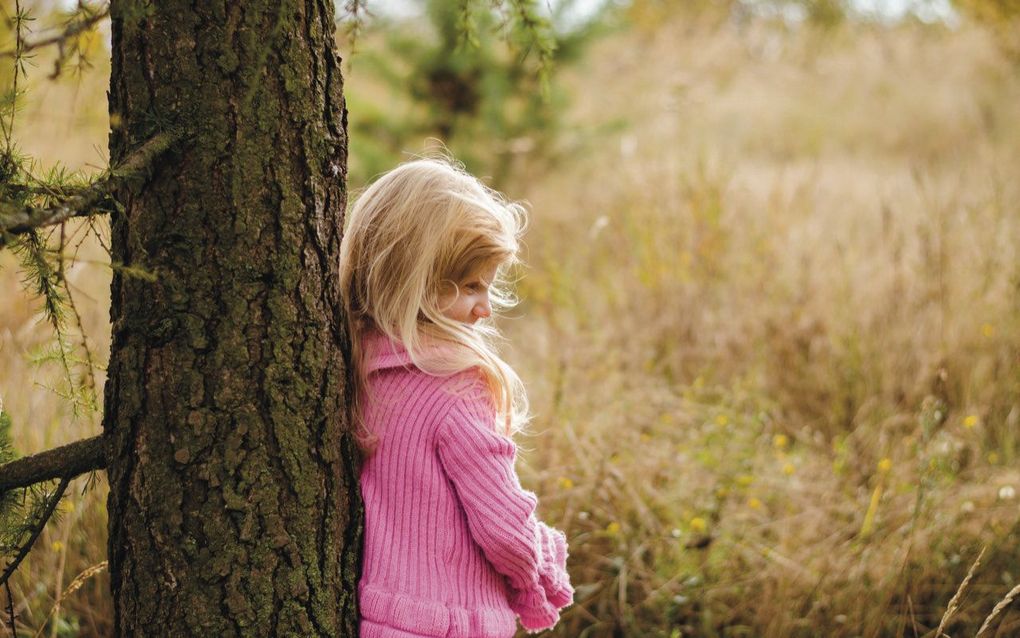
{"type": "Point", "coordinates": [501, 514]}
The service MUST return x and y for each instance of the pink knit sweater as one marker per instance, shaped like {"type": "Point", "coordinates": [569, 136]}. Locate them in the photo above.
{"type": "Point", "coordinates": [452, 545]}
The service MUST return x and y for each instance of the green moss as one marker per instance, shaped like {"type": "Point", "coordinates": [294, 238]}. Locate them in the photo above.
{"type": "Point", "coordinates": [228, 62]}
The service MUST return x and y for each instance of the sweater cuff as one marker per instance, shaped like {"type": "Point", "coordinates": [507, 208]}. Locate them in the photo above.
{"type": "Point", "coordinates": [535, 611]}
{"type": "Point", "coordinates": [553, 575]}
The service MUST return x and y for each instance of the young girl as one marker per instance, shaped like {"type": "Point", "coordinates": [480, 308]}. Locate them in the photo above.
{"type": "Point", "coordinates": [453, 548]}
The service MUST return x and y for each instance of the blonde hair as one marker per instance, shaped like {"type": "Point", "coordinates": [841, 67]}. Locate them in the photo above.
{"type": "Point", "coordinates": [423, 225]}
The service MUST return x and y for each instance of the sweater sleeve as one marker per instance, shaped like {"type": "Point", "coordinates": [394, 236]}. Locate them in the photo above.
{"type": "Point", "coordinates": [501, 514]}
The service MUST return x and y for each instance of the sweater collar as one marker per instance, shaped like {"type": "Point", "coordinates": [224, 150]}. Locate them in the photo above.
{"type": "Point", "coordinates": [381, 352]}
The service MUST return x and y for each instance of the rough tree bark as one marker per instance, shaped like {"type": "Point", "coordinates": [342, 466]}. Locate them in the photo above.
{"type": "Point", "coordinates": [233, 507]}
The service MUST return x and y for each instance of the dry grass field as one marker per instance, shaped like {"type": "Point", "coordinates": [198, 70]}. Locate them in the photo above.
{"type": "Point", "coordinates": [770, 330]}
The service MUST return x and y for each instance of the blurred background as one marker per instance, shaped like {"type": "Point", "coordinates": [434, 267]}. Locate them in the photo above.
{"type": "Point", "coordinates": [770, 306]}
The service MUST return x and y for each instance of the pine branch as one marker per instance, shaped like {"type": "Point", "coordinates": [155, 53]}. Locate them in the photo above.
{"type": "Point", "coordinates": [50, 506]}
{"type": "Point", "coordinates": [72, 30]}
{"type": "Point", "coordinates": [16, 219]}
{"type": "Point", "coordinates": [10, 608]}
{"type": "Point", "coordinates": [355, 13]}
{"type": "Point", "coordinates": [66, 461]}
{"type": "Point", "coordinates": [90, 389]}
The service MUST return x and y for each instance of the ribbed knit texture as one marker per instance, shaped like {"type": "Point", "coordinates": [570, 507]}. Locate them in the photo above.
{"type": "Point", "coordinates": [453, 548]}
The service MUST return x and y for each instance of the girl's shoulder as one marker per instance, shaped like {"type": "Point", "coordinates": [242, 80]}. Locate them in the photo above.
{"type": "Point", "coordinates": [469, 386]}
{"type": "Point", "coordinates": [471, 414]}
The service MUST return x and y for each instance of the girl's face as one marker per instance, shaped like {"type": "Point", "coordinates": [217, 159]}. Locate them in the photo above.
{"type": "Point", "coordinates": [468, 301]}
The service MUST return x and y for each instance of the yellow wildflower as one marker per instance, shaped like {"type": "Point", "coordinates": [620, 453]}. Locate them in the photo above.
{"type": "Point", "coordinates": [721, 420]}
{"type": "Point", "coordinates": [970, 421]}
{"type": "Point", "coordinates": [698, 524]}
{"type": "Point", "coordinates": [754, 503]}
{"type": "Point", "coordinates": [885, 465]}
{"type": "Point", "coordinates": [613, 528]}
{"type": "Point", "coordinates": [788, 469]}
{"type": "Point", "coordinates": [780, 441]}
{"type": "Point", "coordinates": [869, 516]}
{"type": "Point", "coordinates": [566, 483]}
{"type": "Point", "coordinates": [56, 546]}
{"type": "Point", "coordinates": [988, 330]}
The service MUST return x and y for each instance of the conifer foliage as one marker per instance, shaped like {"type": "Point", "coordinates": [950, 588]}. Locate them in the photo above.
{"type": "Point", "coordinates": [478, 79]}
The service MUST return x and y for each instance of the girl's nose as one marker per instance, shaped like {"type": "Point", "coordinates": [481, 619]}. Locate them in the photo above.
{"type": "Point", "coordinates": [483, 309]}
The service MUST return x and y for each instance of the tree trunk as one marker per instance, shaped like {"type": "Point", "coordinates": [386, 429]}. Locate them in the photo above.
{"type": "Point", "coordinates": [234, 507]}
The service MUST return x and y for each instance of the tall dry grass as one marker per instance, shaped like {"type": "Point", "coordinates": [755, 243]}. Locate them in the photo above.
{"type": "Point", "coordinates": [770, 331]}
{"type": "Point", "coordinates": [773, 336]}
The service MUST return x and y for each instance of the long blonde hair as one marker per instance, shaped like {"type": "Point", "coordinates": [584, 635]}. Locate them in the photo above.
{"type": "Point", "coordinates": [425, 224]}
